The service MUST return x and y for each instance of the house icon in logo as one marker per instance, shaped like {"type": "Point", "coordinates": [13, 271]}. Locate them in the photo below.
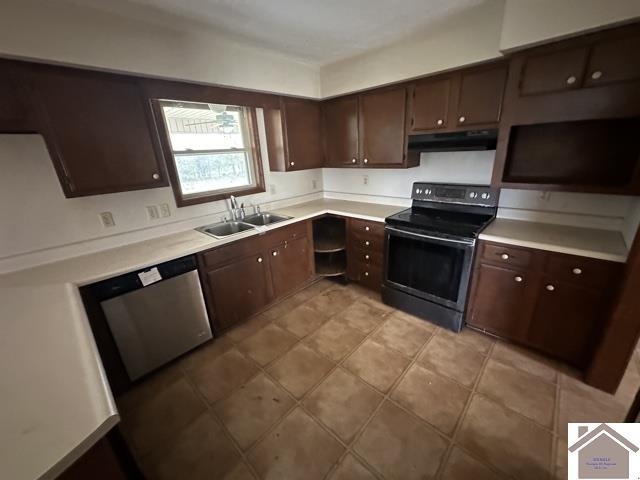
{"type": "Point", "coordinates": [602, 453]}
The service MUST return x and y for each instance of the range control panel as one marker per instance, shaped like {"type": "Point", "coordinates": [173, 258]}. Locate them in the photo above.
{"type": "Point", "coordinates": [455, 193]}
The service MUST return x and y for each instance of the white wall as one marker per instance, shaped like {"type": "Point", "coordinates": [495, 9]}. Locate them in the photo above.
{"type": "Point", "coordinates": [612, 212]}
{"type": "Point", "coordinates": [469, 37]}
{"type": "Point", "coordinates": [529, 22]}
{"type": "Point", "coordinates": [38, 224]}
{"type": "Point", "coordinates": [71, 34]}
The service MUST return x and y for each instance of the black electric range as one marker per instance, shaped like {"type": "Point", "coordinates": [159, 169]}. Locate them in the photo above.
{"type": "Point", "coordinates": [429, 250]}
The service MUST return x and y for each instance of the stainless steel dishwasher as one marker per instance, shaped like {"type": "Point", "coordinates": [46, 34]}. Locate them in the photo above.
{"type": "Point", "coordinates": [155, 314]}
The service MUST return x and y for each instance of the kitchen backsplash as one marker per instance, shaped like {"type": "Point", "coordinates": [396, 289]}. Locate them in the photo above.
{"type": "Point", "coordinates": [47, 227]}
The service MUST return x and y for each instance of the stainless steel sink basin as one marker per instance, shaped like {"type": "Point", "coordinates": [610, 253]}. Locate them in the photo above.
{"type": "Point", "coordinates": [224, 229]}
{"type": "Point", "coordinates": [264, 218]}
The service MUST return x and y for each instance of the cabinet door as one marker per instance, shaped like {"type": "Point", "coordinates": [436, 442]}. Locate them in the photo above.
{"type": "Point", "coordinates": [14, 102]}
{"type": "Point", "coordinates": [238, 290]}
{"type": "Point", "coordinates": [340, 123]}
{"type": "Point", "coordinates": [98, 130]}
{"type": "Point", "coordinates": [553, 71]}
{"type": "Point", "coordinates": [303, 132]}
{"type": "Point", "coordinates": [382, 132]}
{"type": "Point", "coordinates": [614, 61]}
{"type": "Point", "coordinates": [290, 265]}
{"type": "Point", "coordinates": [566, 318]}
{"type": "Point", "coordinates": [430, 100]}
{"type": "Point", "coordinates": [503, 301]}
{"type": "Point", "coordinates": [480, 97]}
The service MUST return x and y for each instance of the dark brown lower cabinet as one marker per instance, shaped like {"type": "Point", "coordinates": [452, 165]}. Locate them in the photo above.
{"type": "Point", "coordinates": [365, 252]}
{"type": "Point", "coordinates": [503, 301]}
{"type": "Point", "coordinates": [553, 302]}
{"type": "Point", "coordinates": [242, 278]}
{"type": "Point", "coordinates": [289, 264]}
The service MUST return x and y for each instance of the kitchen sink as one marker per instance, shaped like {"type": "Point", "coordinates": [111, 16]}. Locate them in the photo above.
{"type": "Point", "coordinates": [264, 218]}
{"type": "Point", "coordinates": [224, 229]}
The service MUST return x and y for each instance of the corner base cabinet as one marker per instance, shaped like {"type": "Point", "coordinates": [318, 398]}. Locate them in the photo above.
{"type": "Point", "coordinates": [553, 302]}
{"type": "Point", "coordinates": [241, 278]}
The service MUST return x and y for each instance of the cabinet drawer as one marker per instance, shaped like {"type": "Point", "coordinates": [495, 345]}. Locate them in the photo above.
{"type": "Point", "coordinates": [365, 256]}
{"type": "Point", "coordinates": [367, 227]}
{"type": "Point", "coordinates": [231, 251]}
{"type": "Point", "coordinates": [508, 255]}
{"type": "Point", "coordinates": [288, 233]}
{"type": "Point", "coordinates": [367, 243]}
{"type": "Point", "coordinates": [581, 270]}
{"type": "Point", "coordinates": [367, 275]}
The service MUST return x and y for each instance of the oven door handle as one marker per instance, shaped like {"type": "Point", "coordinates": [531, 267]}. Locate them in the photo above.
{"type": "Point", "coordinates": [430, 237]}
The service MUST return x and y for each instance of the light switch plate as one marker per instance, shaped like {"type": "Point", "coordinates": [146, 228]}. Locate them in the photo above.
{"type": "Point", "coordinates": [152, 212]}
{"type": "Point", "coordinates": [107, 219]}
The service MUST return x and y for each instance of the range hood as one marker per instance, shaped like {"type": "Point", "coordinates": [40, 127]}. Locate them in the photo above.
{"type": "Point", "coordinates": [454, 141]}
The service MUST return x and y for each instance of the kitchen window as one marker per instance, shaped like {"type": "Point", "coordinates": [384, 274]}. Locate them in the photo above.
{"type": "Point", "coordinates": [214, 149]}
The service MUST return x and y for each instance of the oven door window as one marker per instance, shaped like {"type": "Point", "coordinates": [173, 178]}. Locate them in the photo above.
{"type": "Point", "coordinates": [426, 267]}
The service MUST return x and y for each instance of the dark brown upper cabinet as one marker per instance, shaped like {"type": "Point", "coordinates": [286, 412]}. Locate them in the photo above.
{"type": "Point", "coordinates": [98, 130]}
{"type": "Point", "coordinates": [382, 127]}
{"type": "Point", "coordinates": [460, 100]}
{"type": "Point", "coordinates": [480, 96]}
{"type": "Point", "coordinates": [553, 71]}
{"type": "Point", "coordinates": [367, 130]}
{"type": "Point", "coordinates": [570, 116]}
{"type": "Point", "coordinates": [16, 113]}
{"type": "Point", "coordinates": [430, 101]}
{"type": "Point", "coordinates": [340, 126]}
{"type": "Point", "coordinates": [294, 135]}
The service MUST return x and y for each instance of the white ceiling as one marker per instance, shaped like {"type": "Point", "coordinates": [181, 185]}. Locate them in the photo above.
{"type": "Point", "coordinates": [317, 32]}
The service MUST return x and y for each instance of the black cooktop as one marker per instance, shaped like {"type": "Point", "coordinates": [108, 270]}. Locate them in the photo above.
{"type": "Point", "coordinates": [439, 222]}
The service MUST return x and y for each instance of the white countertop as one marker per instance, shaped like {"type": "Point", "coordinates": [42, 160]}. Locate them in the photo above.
{"type": "Point", "coordinates": [586, 242]}
{"type": "Point", "coordinates": [56, 400]}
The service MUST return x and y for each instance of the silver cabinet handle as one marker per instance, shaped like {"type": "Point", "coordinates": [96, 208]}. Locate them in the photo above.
{"type": "Point", "coordinates": [366, 257]}
{"type": "Point", "coordinates": [596, 75]}
{"type": "Point", "coordinates": [462, 119]}
{"type": "Point", "coordinates": [367, 229]}
{"type": "Point", "coordinates": [274, 253]}
{"type": "Point", "coordinates": [571, 80]}
{"type": "Point", "coordinates": [156, 176]}
{"type": "Point", "coordinates": [518, 278]}
{"type": "Point", "coordinates": [366, 160]}
{"type": "Point", "coordinates": [292, 163]}
{"type": "Point", "coordinates": [504, 256]}
{"type": "Point", "coordinates": [366, 243]}
{"type": "Point", "coordinates": [259, 259]}
{"type": "Point", "coordinates": [366, 274]}
{"type": "Point", "coordinates": [577, 271]}
{"type": "Point", "coordinates": [353, 160]}
{"type": "Point", "coordinates": [550, 288]}
{"type": "Point", "coordinates": [439, 122]}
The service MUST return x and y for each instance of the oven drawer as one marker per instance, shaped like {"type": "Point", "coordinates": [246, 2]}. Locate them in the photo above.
{"type": "Point", "coordinates": [506, 255]}
{"type": "Point", "coordinates": [366, 274]}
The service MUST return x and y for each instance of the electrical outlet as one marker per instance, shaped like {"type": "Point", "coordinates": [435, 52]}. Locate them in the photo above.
{"type": "Point", "coordinates": [165, 210]}
{"type": "Point", "coordinates": [545, 196]}
{"type": "Point", "coordinates": [365, 179]}
{"type": "Point", "coordinates": [107, 220]}
{"type": "Point", "coordinates": [314, 184]}
{"type": "Point", "coordinates": [272, 189]}
{"type": "Point", "coordinates": [152, 212]}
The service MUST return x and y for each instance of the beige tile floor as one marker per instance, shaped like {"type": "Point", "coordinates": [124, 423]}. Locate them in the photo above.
{"type": "Point", "coordinates": [333, 384]}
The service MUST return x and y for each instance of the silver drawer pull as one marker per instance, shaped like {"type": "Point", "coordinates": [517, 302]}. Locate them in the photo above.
{"type": "Point", "coordinates": [504, 256]}
{"type": "Point", "coordinates": [274, 253]}
{"type": "Point", "coordinates": [259, 259]}
{"type": "Point", "coordinates": [366, 274]}
{"type": "Point", "coordinates": [596, 75]}
{"type": "Point", "coordinates": [367, 243]}
{"type": "Point", "coordinates": [550, 288]}
{"type": "Point", "coordinates": [439, 122]}
{"type": "Point", "coordinates": [353, 160]}
{"type": "Point", "coordinates": [367, 229]}
{"type": "Point", "coordinates": [366, 257]}
{"type": "Point", "coordinates": [518, 278]}
{"type": "Point", "coordinates": [571, 80]}
{"type": "Point", "coordinates": [577, 271]}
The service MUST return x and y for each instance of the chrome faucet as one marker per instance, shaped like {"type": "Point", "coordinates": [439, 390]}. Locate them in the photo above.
{"type": "Point", "coordinates": [234, 207]}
